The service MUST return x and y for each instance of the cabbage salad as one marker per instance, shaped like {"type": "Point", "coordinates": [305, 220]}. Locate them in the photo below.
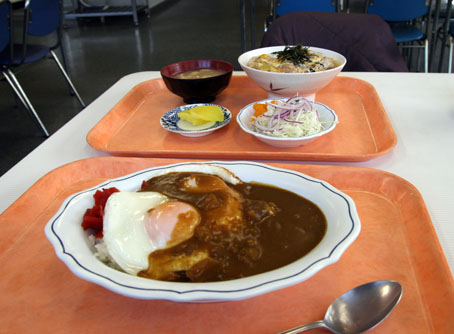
{"type": "Point", "coordinates": [296, 117]}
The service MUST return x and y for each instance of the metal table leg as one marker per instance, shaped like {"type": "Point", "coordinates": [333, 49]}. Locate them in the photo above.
{"type": "Point", "coordinates": [243, 25]}
{"type": "Point", "coordinates": [251, 23]}
{"type": "Point", "coordinates": [434, 37]}
{"type": "Point", "coordinates": [445, 34]}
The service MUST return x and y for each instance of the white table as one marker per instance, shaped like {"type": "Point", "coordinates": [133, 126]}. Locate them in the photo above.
{"type": "Point", "coordinates": [420, 107]}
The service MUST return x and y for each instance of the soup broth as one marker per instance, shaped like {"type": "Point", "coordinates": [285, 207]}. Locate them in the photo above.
{"type": "Point", "coordinates": [199, 74]}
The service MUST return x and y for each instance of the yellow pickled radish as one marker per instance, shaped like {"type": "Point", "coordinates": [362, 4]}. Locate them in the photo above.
{"type": "Point", "coordinates": [202, 114]}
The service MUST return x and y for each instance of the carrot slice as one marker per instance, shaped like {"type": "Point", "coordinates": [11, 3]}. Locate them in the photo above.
{"type": "Point", "coordinates": [260, 108]}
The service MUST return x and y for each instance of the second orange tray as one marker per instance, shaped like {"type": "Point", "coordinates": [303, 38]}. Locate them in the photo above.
{"type": "Point", "coordinates": [132, 127]}
{"type": "Point", "coordinates": [397, 241]}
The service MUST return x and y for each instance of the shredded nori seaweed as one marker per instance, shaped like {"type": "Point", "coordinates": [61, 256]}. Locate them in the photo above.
{"type": "Point", "coordinates": [296, 54]}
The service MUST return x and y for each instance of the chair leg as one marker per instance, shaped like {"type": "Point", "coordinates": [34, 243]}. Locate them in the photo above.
{"type": "Point", "coordinates": [71, 85]}
{"type": "Point", "coordinates": [17, 94]}
{"type": "Point", "coordinates": [451, 42]}
{"type": "Point", "coordinates": [426, 56]}
{"type": "Point", "coordinates": [11, 78]}
{"type": "Point", "coordinates": [410, 54]}
{"type": "Point", "coordinates": [65, 65]}
{"type": "Point", "coordinates": [63, 57]}
{"type": "Point", "coordinates": [134, 13]}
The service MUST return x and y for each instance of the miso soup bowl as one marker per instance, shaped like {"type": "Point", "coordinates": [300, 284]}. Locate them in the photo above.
{"type": "Point", "coordinates": [202, 90]}
{"type": "Point", "coordinates": [72, 246]}
{"type": "Point", "coordinates": [291, 84]}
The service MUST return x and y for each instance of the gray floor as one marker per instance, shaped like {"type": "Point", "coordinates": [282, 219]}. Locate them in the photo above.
{"type": "Point", "coordinates": [100, 53]}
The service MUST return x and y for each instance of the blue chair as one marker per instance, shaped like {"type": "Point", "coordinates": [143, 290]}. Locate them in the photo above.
{"type": "Point", "coordinates": [7, 58]}
{"type": "Point", "coordinates": [41, 18]}
{"type": "Point", "coordinates": [408, 20]}
{"type": "Point", "coordinates": [283, 7]}
{"type": "Point", "coordinates": [5, 33]}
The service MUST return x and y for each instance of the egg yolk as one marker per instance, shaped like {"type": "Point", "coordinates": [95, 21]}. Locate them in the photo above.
{"type": "Point", "coordinates": [171, 223]}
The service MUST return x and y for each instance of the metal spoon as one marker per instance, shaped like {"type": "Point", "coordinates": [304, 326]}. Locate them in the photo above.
{"type": "Point", "coordinates": [357, 310]}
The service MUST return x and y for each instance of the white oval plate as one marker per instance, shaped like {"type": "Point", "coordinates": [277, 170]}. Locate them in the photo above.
{"type": "Point", "coordinates": [71, 243]}
{"type": "Point", "coordinates": [170, 119]}
{"type": "Point", "coordinates": [325, 113]}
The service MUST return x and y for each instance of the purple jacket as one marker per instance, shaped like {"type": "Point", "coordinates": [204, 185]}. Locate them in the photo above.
{"type": "Point", "coordinates": [365, 40]}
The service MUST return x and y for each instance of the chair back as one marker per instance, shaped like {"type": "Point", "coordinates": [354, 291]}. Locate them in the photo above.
{"type": "Point", "coordinates": [44, 16]}
{"type": "Point", "coordinates": [5, 32]}
{"type": "Point", "coordinates": [287, 6]}
{"type": "Point", "coordinates": [399, 10]}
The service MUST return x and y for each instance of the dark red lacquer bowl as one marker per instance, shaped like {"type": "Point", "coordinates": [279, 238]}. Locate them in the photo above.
{"type": "Point", "coordinates": [197, 90]}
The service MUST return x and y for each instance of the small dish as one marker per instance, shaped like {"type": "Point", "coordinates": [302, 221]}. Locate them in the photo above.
{"type": "Point", "coordinates": [325, 114]}
{"type": "Point", "coordinates": [171, 122]}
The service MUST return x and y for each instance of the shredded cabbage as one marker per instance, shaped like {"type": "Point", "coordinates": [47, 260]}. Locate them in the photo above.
{"type": "Point", "coordinates": [296, 117]}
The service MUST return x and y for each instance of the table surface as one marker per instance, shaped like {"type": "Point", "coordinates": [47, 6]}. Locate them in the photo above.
{"type": "Point", "coordinates": [420, 107]}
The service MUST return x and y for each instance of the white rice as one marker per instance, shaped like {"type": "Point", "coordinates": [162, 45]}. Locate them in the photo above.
{"type": "Point", "coordinates": [101, 253]}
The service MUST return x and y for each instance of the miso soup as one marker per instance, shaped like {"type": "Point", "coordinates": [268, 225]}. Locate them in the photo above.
{"type": "Point", "coordinates": [199, 74]}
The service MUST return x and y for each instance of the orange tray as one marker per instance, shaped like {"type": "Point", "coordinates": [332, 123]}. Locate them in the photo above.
{"type": "Point", "coordinates": [132, 127]}
{"type": "Point", "coordinates": [397, 241]}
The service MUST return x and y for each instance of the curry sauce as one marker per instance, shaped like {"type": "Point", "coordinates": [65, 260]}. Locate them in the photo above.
{"type": "Point", "coordinates": [246, 229]}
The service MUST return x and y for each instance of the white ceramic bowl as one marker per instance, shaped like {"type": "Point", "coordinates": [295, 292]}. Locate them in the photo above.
{"type": "Point", "coordinates": [170, 121]}
{"type": "Point", "coordinates": [71, 243]}
{"type": "Point", "coordinates": [325, 114]}
{"type": "Point", "coordinates": [291, 84]}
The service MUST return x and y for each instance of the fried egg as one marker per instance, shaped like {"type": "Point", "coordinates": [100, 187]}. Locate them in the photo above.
{"type": "Point", "coordinates": [222, 172]}
{"type": "Point", "coordinates": [138, 223]}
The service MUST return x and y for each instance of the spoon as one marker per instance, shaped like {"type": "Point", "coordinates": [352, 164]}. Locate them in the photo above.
{"type": "Point", "coordinates": [357, 310]}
